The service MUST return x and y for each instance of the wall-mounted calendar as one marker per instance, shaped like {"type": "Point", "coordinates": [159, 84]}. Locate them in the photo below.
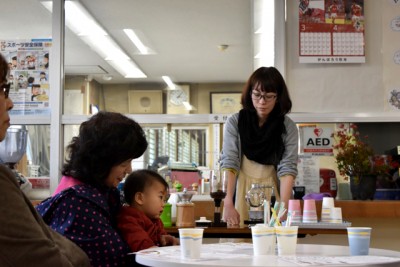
{"type": "Point", "coordinates": [331, 31]}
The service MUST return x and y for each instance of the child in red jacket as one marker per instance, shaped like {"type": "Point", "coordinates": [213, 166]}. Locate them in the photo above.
{"type": "Point", "coordinates": [140, 222]}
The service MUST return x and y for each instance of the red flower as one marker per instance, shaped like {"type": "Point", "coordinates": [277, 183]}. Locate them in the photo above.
{"type": "Point", "coordinates": [354, 156]}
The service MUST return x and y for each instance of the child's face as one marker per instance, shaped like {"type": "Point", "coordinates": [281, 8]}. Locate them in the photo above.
{"type": "Point", "coordinates": [154, 200]}
{"type": "Point", "coordinates": [35, 90]}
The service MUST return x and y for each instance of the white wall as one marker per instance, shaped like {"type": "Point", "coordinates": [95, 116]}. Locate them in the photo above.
{"type": "Point", "coordinates": [338, 87]}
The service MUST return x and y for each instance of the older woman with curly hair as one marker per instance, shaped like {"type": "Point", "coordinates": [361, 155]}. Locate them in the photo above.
{"type": "Point", "coordinates": [85, 205]}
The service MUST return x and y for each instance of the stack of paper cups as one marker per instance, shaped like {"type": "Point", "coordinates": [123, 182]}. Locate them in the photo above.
{"type": "Point", "coordinates": [336, 215]}
{"type": "Point", "coordinates": [295, 208]}
{"type": "Point", "coordinates": [327, 206]}
{"type": "Point", "coordinates": [309, 211]}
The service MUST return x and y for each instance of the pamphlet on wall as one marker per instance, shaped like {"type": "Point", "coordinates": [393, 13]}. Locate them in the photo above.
{"type": "Point", "coordinates": [29, 74]}
{"type": "Point", "coordinates": [308, 173]}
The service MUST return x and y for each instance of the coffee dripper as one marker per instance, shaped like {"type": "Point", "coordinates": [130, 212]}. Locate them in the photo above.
{"type": "Point", "coordinates": [218, 182]}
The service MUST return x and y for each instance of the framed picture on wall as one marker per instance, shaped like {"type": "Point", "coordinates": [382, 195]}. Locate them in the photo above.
{"type": "Point", "coordinates": [225, 102]}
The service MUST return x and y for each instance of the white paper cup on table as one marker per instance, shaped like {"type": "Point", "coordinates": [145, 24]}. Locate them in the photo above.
{"type": "Point", "coordinates": [264, 239]}
{"type": "Point", "coordinates": [191, 240]}
{"type": "Point", "coordinates": [287, 239]}
{"type": "Point", "coordinates": [336, 215]}
{"type": "Point", "coordinates": [359, 240]}
{"type": "Point", "coordinates": [328, 204]}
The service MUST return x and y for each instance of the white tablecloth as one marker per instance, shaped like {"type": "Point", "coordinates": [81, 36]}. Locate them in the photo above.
{"type": "Point", "coordinates": [241, 254]}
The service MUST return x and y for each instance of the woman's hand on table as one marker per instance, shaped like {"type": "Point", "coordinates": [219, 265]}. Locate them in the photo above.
{"type": "Point", "coordinates": [231, 217]}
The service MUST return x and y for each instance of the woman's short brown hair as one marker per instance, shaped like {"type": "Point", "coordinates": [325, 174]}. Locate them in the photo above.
{"type": "Point", "coordinates": [268, 79]}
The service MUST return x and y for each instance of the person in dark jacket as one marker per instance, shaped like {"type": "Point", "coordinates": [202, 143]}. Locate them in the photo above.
{"type": "Point", "coordinates": [25, 239]}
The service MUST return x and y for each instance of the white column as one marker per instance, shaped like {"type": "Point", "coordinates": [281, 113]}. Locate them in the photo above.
{"type": "Point", "coordinates": [269, 34]}
{"type": "Point", "coordinates": [56, 96]}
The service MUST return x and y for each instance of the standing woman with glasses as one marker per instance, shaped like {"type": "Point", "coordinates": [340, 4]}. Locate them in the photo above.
{"type": "Point", "coordinates": [260, 144]}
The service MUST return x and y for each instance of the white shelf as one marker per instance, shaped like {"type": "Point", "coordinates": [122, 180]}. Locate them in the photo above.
{"type": "Point", "coordinates": [345, 117]}
{"type": "Point", "coordinates": [220, 118]}
{"type": "Point", "coordinates": [31, 119]}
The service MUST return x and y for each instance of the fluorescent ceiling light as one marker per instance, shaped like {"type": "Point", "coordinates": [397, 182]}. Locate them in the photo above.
{"type": "Point", "coordinates": [79, 20]}
{"type": "Point", "coordinates": [169, 82]}
{"type": "Point", "coordinates": [142, 44]}
{"type": "Point", "coordinates": [127, 68]}
{"type": "Point", "coordinates": [82, 22]}
{"type": "Point", "coordinates": [136, 41]}
{"type": "Point", "coordinates": [105, 47]}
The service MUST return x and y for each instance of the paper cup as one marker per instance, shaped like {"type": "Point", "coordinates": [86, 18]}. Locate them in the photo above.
{"type": "Point", "coordinates": [264, 239]}
{"type": "Point", "coordinates": [191, 240]}
{"type": "Point", "coordinates": [336, 215]}
{"type": "Point", "coordinates": [327, 205]}
{"type": "Point", "coordinates": [294, 206]}
{"type": "Point", "coordinates": [309, 211]}
{"type": "Point", "coordinates": [287, 239]}
{"type": "Point", "coordinates": [359, 240]}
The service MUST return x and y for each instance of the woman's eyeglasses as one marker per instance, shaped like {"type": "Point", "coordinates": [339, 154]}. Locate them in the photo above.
{"type": "Point", "coordinates": [5, 88]}
{"type": "Point", "coordinates": [258, 96]}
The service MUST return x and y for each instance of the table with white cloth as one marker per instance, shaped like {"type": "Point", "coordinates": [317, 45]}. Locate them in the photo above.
{"type": "Point", "coordinates": [241, 254]}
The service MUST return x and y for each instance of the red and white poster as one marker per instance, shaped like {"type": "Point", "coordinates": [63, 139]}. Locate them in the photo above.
{"type": "Point", "coordinates": [331, 31]}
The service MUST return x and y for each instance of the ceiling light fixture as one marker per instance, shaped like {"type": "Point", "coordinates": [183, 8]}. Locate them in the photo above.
{"type": "Point", "coordinates": [136, 41]}
{"type": "Point", "coordinates": [78, 19]}
{"type": "Point", "coordinates": [169, 82]}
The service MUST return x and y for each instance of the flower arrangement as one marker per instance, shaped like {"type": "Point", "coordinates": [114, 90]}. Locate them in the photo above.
{"type": "Point", "coordinates": [355, 157]}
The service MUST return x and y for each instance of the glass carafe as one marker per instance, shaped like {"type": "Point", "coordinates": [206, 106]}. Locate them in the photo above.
{"type": "Point", "coordinates": [12, 149]}
{"type": "Point", "coordinates": [255, 199]}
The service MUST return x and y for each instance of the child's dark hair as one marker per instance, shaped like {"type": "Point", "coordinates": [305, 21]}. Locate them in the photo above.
{"type": "Point", "coordinates": [137, 181]}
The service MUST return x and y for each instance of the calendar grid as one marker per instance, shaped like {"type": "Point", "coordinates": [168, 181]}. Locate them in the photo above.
{"type": "Point", "coordinates": [331, 31]}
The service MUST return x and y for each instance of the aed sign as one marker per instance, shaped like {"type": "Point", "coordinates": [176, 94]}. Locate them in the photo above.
{"type": "Point", "coordinates": [317, 140]}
